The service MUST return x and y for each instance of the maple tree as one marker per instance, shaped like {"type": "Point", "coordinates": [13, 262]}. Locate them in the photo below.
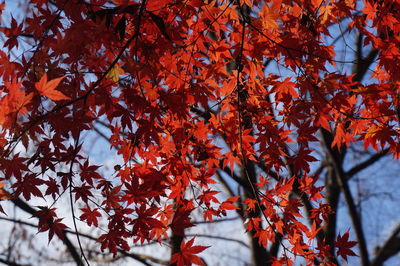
{"type": "Point", "coordinates": [199, 95]}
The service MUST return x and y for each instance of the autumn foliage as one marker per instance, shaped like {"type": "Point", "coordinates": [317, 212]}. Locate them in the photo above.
{"type": "Point", "coordinates": [185, 91]}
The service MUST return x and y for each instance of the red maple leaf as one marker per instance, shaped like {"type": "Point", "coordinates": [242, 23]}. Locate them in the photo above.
{"type": "Point", "coordinates": [186, 255]}
{"type": "Point", "coordinates": [48, 221]}
{"type": "Point", "coordinates": [90, 216]}
{"type": "Point", "coordinates": [344, 246]}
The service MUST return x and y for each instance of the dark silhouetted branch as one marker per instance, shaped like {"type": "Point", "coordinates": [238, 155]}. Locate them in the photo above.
{"type": "Point", "coordinates": [389, 249]}
{"type": "Point", "coordinates": [370, 161]}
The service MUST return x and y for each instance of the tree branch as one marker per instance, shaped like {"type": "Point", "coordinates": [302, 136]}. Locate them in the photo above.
{"type": "Point", "coordinates": [220, 238]}
{"type": "Point", "coordinates": [237, 179]}
{"type": "Point", "coordinates": [389, 249]}
{"type": "Point", "coordinates": [370, 161]}
{"type": "Point", "coordinates": [216, 221]}
{"type": "Point", "coordinates": [337, 161]}
{"type": "Point", "coordinates": [225, 184]}
{"type": "Point", "coordinates": [11, 263]}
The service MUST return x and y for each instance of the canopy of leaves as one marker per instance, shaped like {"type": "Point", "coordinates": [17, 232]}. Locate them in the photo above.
{"type": "Point", "coordinates": [183, 88]}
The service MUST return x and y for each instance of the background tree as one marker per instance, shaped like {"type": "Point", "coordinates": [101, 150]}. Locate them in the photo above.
{"type": "Point", "coordinates": [266, 100]}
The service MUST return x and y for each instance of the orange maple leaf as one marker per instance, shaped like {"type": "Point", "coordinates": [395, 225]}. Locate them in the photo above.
{"type": "Point", "coordinates": [4, 195]}
{"type": "Point", "coordinates": [13, 103]}
{"type": "Point", "coordinates": [269, 15]}
{"type": "Point", "coordinates": [47, 88]}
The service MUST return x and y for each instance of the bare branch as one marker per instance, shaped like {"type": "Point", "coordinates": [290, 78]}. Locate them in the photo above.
{"type": "Point", "coordinates": [337, 162]}
{"type": "Point", "coordinates": [370, 161]}
{"type": "Point", "coordinates": [217, 221]}
{"type": "Point", "coordinates": [220, 238]}
{"type": "Point", "coordinates": [389, 249]}
{"type": "Point", "coordinates": [225, 184]}
{"type": "Point", "coordinates": [11, 263]}
{"type": "Point", "coordinates": [236, 178]}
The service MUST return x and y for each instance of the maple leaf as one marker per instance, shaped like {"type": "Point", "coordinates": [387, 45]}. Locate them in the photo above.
{"type": "Point", "coordinates": [57, 227]}
{"type": "Point", "coordinates": [282, 261]}
{"type": "Point", "coordinates": [263, 237]}
{"type": "Point", "coordinates": [115, 72]}
{"type": "Point", "coordinates": [286, 87]}
{"type": "Point", "coordinates": [28, 186]}
{"type": "Point", "coordinates": [186, 255]}
{"type": "Point", "coordinates": [314, 231]}
{"type": "Point", "coordinates": [252, 224]}
{"type": "Point", "coordinates": [90, 216]}
{"type": "Point", "coordinates": [326, 12]}
{"type": "Point", "coordinates": [112, 240]}
{"type": "Point", "coordinates": [344, 246]}
{"type": "Point", "coordinates": [144, 223]}
{"type": "Point", "coordinates": [48, 88]}
{"type": "Point", "coordinates": [4, 195]}
{"type": "Point", "coordinates": [52, 188]}
{"type": "Point", "coordinates": [370, 10]}
{"type": "Point", "coordinates": [251, 204]}
{"type": "Point", "coordinates": [208, 196]}
{"type": "Point", "coordinates": [13, 103]}
{"type": "Point", "coordinates": [48, 221]}
{"type": "Point", "coordinates": [270, 14]}
{"type": "Point", "coordinates": [228, 204]}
